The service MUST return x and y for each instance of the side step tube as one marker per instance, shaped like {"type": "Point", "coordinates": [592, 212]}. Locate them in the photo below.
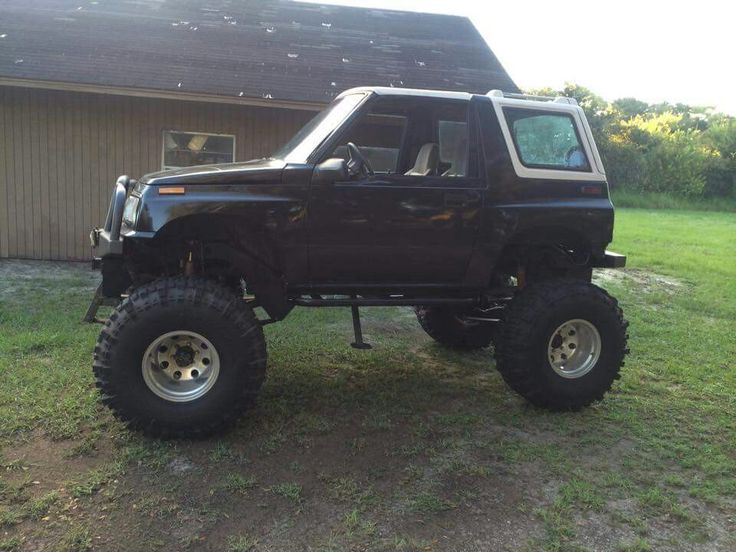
{"type": "Point", "coordinates": [354, 302]}
{"type": "Point", "coordinates": [383, 301]}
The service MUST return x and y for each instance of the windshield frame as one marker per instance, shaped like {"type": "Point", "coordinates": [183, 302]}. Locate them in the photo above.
{"type": "Point", "coordinates": [303, 146]}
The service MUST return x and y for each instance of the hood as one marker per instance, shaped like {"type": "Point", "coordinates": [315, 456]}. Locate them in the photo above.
{"type": "Point", "coordinates": [226, 173]}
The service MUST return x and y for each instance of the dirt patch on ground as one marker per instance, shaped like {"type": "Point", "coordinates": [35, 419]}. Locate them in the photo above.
{"type": "Point", "coordinates": [641, 280]}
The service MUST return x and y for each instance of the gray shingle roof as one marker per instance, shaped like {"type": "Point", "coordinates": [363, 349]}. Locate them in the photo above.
{"type": "Point", "coordinates": [242, 48]}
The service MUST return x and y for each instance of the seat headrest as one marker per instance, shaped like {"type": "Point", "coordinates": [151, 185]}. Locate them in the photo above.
{"type": "Point", "coordinates": [427, 161]}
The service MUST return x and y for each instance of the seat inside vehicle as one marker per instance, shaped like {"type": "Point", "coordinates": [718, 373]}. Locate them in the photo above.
{"type": "Point", "coordinates": [427, 161]}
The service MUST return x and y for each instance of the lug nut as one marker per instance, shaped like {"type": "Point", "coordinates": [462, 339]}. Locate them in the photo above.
{"type": "Point", "coordinates": [165, 364]}
{"type": "Point", "coordinates": [177, 375]}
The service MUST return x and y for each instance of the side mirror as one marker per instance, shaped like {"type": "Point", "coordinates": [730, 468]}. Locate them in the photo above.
{"type": "Point", "coordinates": [331, 170]}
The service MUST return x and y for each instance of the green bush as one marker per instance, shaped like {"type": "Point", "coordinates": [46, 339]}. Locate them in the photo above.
{"type": "Point", "coordinates": [720, 179]}
{"type": "Point", "coordinates": [688, 152]}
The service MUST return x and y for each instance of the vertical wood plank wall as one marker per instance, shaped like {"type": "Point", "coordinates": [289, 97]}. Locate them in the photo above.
{"type": "Point", "coordinates": [61, 152]}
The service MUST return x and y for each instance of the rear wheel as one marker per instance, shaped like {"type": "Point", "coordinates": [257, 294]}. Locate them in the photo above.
{"type": "Point", "coordinates": [181, 357]}
{"type": "Point", "coordinates": [561, 344]}
{"type": "Point", "coordinates": [452, 328]}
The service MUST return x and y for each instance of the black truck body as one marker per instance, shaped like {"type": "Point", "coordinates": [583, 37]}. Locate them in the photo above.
{"type": "Point", "coordinates": [487, 213]}
{"type": "Point", "coordinates": [317, 232]}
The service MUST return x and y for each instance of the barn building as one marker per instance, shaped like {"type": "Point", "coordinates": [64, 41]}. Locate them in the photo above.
{"type": "Point", "coordinates": [93, 89]}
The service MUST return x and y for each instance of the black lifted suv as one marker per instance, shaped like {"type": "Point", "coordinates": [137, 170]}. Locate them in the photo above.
{"type": "Point", "coordinates": [486, 213]}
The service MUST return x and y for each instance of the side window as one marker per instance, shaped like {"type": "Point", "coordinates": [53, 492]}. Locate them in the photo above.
{"type": "Point", "coordinates": [379, 137]}
{"type": "Point", "coordinates": [453, 138]}
{"type": "Point", "coordinates": [546, 140]}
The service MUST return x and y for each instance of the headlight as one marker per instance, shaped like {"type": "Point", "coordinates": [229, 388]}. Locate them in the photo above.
{"type": "Point", "coordinates": [130, 213]}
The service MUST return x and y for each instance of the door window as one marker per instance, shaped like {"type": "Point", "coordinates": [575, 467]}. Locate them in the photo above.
{"type": "Point", "coordinates": [453, 138]}
{"type": "Point", "coordinates": [379, 138]}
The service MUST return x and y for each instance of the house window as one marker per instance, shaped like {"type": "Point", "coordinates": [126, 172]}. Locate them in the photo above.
{"type": "Point", "coordinates": [186, 149]}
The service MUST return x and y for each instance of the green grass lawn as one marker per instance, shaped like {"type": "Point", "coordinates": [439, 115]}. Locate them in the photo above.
{"type": "Point", "coordinates": [405, 447]}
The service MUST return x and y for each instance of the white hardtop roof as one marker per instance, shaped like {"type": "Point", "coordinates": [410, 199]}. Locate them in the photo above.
{"type": "Point", "coordinates": [390, 91]}
{"type": "Point", "coordinates": [453, 95]}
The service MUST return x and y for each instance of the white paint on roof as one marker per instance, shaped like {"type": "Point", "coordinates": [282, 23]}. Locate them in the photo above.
{"type": "Point", "coordinates": [394, 91]}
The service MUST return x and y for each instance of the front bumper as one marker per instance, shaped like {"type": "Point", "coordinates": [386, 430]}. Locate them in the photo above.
{"type": "Point", "coordinates": [107, 244]}
{"type": "Point", "coordinates": [106, 241]}
{"type": "Point", "coordinates": [104, 244]}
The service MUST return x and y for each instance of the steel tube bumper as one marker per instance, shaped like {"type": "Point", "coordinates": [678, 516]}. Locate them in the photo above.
{"type": "Point", "coordinates": [107, 241]}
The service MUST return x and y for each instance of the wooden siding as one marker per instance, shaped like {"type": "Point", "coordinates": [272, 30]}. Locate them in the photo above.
{"type": "Point", "coordinates": [60, 153]}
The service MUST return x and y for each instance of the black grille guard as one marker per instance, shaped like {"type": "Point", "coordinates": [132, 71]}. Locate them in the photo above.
{"type": "Point", "coordinates": [114, 219]}
{"type": "Point", "coordinates": [106, 240]}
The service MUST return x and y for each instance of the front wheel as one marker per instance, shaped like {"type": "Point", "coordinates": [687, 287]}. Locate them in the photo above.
{"type": "Point", "coordinates": [181, 357]}
{"type": "Point", "coordinates": [561, 344]}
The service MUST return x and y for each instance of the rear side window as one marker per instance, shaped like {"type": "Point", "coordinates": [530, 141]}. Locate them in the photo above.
{"type": "Point", "coordinates": [546, 140]}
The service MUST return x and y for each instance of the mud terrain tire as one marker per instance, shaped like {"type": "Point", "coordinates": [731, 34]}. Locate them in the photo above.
{"type": "Point", "coordinates": [530, 341]}
{"type": "Point", "coordinates": [231, 334]}
{"type": "Point", "coordinates": [445, 327]}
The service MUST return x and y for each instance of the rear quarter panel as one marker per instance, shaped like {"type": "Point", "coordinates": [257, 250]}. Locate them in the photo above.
{"type": "Point", "coordinates": [520, 210]}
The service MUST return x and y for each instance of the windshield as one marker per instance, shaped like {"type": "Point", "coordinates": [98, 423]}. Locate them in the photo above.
{"type": "Point", "coordinates": [316, 131]}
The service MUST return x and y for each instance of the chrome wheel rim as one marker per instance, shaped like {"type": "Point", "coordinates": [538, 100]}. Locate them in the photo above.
{"type": "Point", "coordinates": [180, 366]}
{"type": "Point", "coordinates": [574, 348]}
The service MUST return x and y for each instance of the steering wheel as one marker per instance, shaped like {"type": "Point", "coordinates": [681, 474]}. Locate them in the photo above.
{"type": "Point", "coordinates": [357, 163]}
{"type": "Point", "coordinates": [575, 161]}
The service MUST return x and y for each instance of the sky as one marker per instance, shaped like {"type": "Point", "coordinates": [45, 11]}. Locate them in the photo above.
{"type": "Point", "coordinates": [651, 50]}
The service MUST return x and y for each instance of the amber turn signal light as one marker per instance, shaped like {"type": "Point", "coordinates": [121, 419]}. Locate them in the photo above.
{"type": "Point", "coordinates": [171, 190]}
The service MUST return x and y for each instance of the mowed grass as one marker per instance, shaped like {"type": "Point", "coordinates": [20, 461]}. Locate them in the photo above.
{"type": "Point", "coordinates": [405, 447]}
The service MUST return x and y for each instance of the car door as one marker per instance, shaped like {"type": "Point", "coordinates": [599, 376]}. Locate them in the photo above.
{"type": "Point", "coordinates": [399, 226]}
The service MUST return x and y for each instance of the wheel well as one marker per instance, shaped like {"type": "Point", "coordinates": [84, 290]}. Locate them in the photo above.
{"type": "Point", "coordinates": [218, 249]}
{"type": "Point", "coordinates": [542, 253]}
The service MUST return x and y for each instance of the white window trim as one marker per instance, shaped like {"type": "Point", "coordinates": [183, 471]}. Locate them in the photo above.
{"type": "Point", "coordinates": [576, 112]}
{"type": "Point", "coordinates": [165, 167]}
